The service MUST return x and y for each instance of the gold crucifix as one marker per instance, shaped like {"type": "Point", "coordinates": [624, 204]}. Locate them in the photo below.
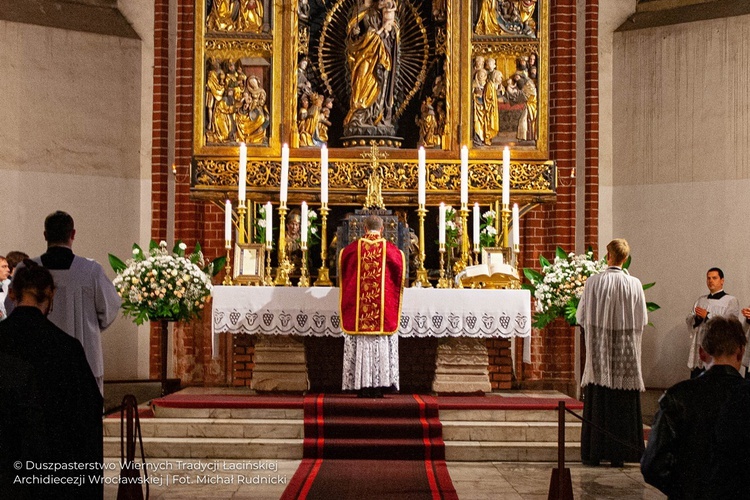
{"type": "Point", "coordinates": [374, 198]}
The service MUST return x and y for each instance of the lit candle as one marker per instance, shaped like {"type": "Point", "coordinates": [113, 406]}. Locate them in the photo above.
{"type": "Point", "coordinates": [476, 223]}
{"type": "Point", "coordinates": [441, 233]}
{"type": "Point", "coordinates": [464, 175]}
{"type": "Point", "coordinates": [303, 236]}
{"type": "Point", "coordinates": [516, 227]}
{"type": "Point", "coordinates": [506, 176]}
{"type": "Point", "coordinates": [228, 223]}
{"type": "Point", "coordinates": [242, 181]}
{"type": "Point", "coordinates": [269, 224]}
{"type": "Point", "coordinates": [324, 174]}
{"type": "Point", "coordinates": [284, 173]}
{"type": "Point", "coordinates": [421, 175]}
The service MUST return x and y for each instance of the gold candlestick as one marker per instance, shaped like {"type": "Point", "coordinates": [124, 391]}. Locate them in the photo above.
{"type": "Point", "coordinates": [476, 254]}
{"type": "Point", "coordinates": [421, 280]}
{"type": "Point", "coordinates": [506, 224]}
{"type": "Point", "coordinates": [228, 267]}
{"type": "Point", "coordinates": [304, 279]}
{"type": "Point", "coordinates": [498, 229]}
{"type": "Point", "coordinates": [243, 235]}
{"type": "Point", "coordinates": [323, 277]}
{"type": "Point", "coordinates": [268, 279]}
{"type": "Point", "coordinates": [285, 267]}
{"type": "Point", "coordinates": [443, 282]}
{"type": "Point", "coordinates": [461, 264]}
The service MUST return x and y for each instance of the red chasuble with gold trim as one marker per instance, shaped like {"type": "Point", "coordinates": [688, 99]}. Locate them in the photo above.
{"type": "Point", "coordinates": [372, 277]}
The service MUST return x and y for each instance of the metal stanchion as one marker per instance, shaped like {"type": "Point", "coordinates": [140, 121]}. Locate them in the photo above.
{"type": "Point", "coordinates": [560, 485]}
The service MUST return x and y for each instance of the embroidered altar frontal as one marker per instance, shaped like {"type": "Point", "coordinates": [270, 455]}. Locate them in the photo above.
{"type": "Point", "coordinates": [426, 312]}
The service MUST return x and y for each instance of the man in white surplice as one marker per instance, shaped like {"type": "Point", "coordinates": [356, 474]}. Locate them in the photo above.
{"type": "Point", "coordinates": [86, 301]}
{"type": "Point", "coordinates": [716, 303]}
{"type": "Point", "coordinates": [612, 313]}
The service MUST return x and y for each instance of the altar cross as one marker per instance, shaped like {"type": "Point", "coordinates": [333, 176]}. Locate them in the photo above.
{"type": "Point", "coordinates": [374, 197]}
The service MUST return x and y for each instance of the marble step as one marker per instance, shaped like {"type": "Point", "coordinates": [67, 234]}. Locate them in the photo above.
{"type": "Point", "coordinates": [535, 432]}
{"type": "Point", "coordinates": [445, 415]}
{"type": "Point", "coordinates": [505, 415]}
{"type": "Point", "coordinates": [211, 448]}
{"type": "Point", "coordinates": [282, 439]}
{"type": "Point", "coordinates": [219, 428]}
{"type": "Point", "coordinates": [240, 413]}
{"type": "Point", "coordinates": [509, 451]}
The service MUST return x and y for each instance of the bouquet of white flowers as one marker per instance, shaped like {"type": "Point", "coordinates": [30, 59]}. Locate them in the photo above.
{"type": "Point", "coordinates": [164, 285]}
{"type": "Point", "coordinates": [559, 287]}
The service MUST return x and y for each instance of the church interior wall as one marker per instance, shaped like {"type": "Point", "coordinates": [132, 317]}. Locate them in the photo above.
{"type": "Point", "coordinates": [72, 140]}
{"type": "Point", "coordinates": [681, 172]}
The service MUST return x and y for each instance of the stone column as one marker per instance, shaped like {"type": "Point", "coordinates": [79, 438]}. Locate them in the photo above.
{"type": "Point", "coordinates": [280, 364]}
{"type": "Point", "coordinates": [461, 366]}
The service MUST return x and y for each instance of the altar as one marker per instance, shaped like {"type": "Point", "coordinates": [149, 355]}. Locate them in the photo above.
{"type": "Point", "coordinates": [461, 319]}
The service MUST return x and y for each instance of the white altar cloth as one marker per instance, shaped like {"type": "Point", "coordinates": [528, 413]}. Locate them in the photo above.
{"type": "Point", "coordinates": [426, 312]}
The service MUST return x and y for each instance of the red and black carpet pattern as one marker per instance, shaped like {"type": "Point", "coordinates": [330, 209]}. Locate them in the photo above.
{"type": "Point", "coordinates": [372, 448]}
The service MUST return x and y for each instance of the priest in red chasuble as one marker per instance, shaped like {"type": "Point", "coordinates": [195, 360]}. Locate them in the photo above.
{"type": "Point", "coordinates": [371, 272]}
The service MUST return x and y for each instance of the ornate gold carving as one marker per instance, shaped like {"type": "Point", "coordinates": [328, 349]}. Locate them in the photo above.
{"type": "Point", "coordinates": [396, 175]}
{"type": "Point", "coordinates": [264, 47]}
{"type": "Point", "coordinates": [304, 40]}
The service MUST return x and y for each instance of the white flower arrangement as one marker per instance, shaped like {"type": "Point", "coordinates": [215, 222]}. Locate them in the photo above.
{"type": "Point", "coordinates": [487, 230]}
{"type": "Point", "coordinates": [558, 288]}
{"type": "Point", "coordinates": [163, 284]}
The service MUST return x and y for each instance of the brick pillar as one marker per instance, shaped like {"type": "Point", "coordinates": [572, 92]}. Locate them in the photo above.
{"type": "Point", "coordinates": [195, 221]}
{"type": "Point", "coordinates": [159, 152]}
{"type": "Point", "coordinates": [546, 227]}
{"type": "Point", "coordinates": [591, 225]}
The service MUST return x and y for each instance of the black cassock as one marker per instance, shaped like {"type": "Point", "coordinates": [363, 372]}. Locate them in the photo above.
{"type": "Point", "coordinates": [51, 412]}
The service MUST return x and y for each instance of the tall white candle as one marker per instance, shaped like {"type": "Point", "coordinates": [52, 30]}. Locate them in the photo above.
{"type": "Point", "coordinates": [506, 176]}
{"type": "Point", "coordinates": [441, 225]}
{"type": "Point", "coordinates": [303, 217]}
{"type": "Point", "coordinates": [324, 174]}
{"type": "Point", "coordinates": [476, 223]}
{"type": "Point", "coordinates": [464, 175]}
{"type": "Point", "coordinates": [228, 223]}
{"type": "Point", "coordinates": [269, 224]}
{"type": "Point", "coordinates": [516, 227]}
{"type": "Point", "coordinates": [422, 174]}
{"type": "Point", "coordinates": [284, 173]}
{"type": "Point", "coordinates": [242, 181]}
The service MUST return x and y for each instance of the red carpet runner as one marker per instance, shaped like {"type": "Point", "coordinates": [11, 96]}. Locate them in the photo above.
{"type": "Point", "coordinates": [372, 448]}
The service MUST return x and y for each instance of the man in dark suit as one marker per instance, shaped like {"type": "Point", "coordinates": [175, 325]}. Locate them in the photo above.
{"type": "Point", "coordinates": [47, 379]}
{"type": "Point", "coordinates": [698, 445]}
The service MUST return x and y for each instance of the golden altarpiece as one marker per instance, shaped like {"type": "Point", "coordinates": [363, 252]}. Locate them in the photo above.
{"type": "Point", "coordinates": [372, 80]}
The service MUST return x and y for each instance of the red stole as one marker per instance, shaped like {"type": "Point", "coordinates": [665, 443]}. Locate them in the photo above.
{"type": "Point", "coordinates": [372, 276]}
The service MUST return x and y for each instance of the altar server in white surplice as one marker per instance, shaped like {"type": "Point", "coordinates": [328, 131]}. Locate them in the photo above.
{"type": "Point", "coordinates": [716, 303]}
{"type": "Point", "coordinates": [86, 301]}
{"type": "Point", "coordinates": [612, 313]}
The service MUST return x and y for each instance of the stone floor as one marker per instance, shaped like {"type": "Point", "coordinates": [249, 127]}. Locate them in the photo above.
{"type": "Point", "coordinates": [197, 479]}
